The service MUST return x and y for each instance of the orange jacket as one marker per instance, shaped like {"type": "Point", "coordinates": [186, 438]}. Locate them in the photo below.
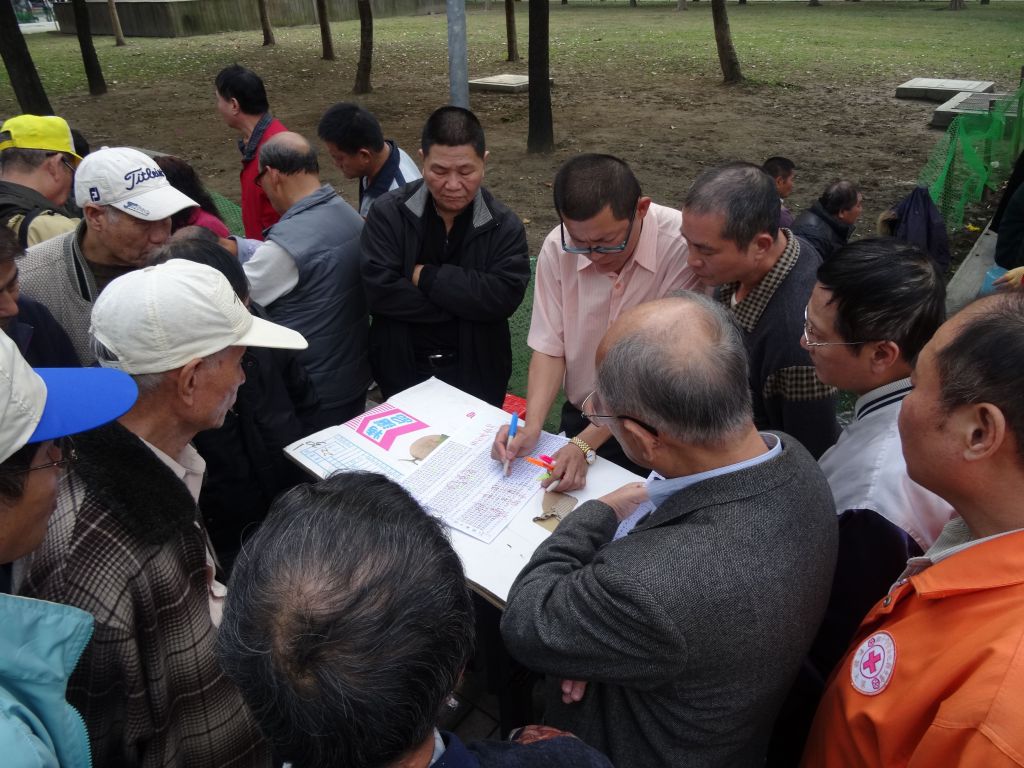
{"type": "Point", "coordinates": [935, 676]}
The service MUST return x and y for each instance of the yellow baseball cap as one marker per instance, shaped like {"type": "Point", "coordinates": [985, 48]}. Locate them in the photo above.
{"type": "Point", "coordinates": [49, 133]}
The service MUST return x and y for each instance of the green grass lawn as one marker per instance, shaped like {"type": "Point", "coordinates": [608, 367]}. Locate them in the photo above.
{"type": "Point", "coordinates": [778, 44]}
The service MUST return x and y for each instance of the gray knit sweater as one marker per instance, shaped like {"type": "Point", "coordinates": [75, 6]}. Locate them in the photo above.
{"type": "Point", "coordinates": [690, 630]}
{"type": "Point", "coordinates": [54, 273]}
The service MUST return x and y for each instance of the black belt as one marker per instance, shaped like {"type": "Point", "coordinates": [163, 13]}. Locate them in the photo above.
{"type": "Point", "coordinates": [435, 359]}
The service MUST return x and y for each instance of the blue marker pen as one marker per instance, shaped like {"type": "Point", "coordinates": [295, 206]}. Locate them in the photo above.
{"type": "Point", "coordinates": [512, 427]}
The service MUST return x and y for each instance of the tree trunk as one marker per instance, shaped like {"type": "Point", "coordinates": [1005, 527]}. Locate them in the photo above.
{"type": "Point", "coordinates": [541, 133]}
{"type": "Point", "coordinates": [983, 2]}
{"type": "Point", "coordinates": [681, 5]}
{"type": "Point", "coordinates": [268, 31]}
{"type": "Point", "coordinates": [632, 3]}
{"type": "Point", "coordinates": [510, 30]}
{"type": "Point", "coordinates": [365, 47]}
{"type": "Point", "coordinates": [115, 23]}
{"type": "Point", "coordinates": [957, 5]}
{"type": "Point", "coordinates": [83, 28]}
{"type": "Point", "coordinates": [814, 4]}
{"type": "Point", "coordinates": [742, 2]}
{"type": "Point", "coordinates": [28, 88]}
{"type": "Point", "coordinates": [723, 40]}
{"type": "Point", "coordinates": [325, 30]}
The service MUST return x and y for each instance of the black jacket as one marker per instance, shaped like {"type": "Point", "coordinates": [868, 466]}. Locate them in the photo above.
{"type": "Point", "coordinates": [823, 230]}
{"type": "Point", "coordinates": [245, 465]}
{"type": "Point", "coordinates": [481, 290]}
{"type": "Point", "coordinates": [42, 341]}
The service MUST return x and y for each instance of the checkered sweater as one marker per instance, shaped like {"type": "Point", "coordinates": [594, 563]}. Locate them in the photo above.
{"type": "Point", "coordinates": [125, 546]}
{"type": "Point", "coordinates": [787, 394]}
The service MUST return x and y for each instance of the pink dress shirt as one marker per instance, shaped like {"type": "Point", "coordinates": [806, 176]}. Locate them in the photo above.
{"type": "Point", "coordinates": [574, 304]}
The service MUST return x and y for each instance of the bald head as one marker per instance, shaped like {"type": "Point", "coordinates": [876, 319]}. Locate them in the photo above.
{"type": "Point", "coordinates": [678, 364]}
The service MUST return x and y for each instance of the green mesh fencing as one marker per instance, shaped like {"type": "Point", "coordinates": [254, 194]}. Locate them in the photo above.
{"type": "Point", "coordinates": [230, 213]}
{"type": "Point", "coordinates": [977, 151]}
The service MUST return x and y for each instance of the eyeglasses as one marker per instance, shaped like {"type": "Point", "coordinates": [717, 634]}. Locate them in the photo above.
{"type": "Point", "coordinates": [599, 248]}
{"type": "Point", "coordinates": [64, 161]}
{"type": "Point", "coordinates": [61, 453]}
{"type": "Point", "coordinates": [258, 181]}
{"type": "Point", "coordinates": [809, 343]}
{"type": "Point", "coordinates": [603, 420]}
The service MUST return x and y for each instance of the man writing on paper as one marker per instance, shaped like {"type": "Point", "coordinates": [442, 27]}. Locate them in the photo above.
{"type": "Point", "coordinates": [676, 643]}
{"type": "Point", "coordinates": [614, 249]}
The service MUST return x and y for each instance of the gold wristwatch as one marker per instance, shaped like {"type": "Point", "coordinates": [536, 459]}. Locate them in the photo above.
{"type": "Point", "coordinates": [588, 452]}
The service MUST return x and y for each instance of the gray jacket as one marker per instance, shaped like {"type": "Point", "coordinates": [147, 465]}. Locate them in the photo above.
{"type": "Point", "coordinates": [327, 306]}
{"type": "Point", "coordinates": [690, 630]}
{"type": "Point", "coordinates": [55, 274]}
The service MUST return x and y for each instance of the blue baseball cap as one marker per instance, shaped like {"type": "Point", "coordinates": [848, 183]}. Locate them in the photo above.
{"type": "Point", "coordinates": [47, 403]}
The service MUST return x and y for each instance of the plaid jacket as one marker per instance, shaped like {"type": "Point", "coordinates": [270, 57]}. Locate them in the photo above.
{"type": "Point", "coordinates": [125, 546]}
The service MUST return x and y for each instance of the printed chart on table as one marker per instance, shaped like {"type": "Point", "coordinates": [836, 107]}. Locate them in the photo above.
{"type": "Point", "coordinates": [385, 439]}
{"type": "Point", "coordinates": [461, 484]}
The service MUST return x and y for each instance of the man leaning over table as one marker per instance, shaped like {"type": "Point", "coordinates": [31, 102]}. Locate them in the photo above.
{"type": "Point", "coordinates": [675, 643]}
{"type": "Point", "coordinates": [613, 249]}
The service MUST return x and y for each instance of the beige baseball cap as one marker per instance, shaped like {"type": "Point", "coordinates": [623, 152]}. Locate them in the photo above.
{"type": "Point", "coordinates": [160, 318]}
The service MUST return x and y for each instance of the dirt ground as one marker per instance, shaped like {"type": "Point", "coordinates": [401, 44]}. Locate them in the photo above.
{"type": "Point", "coordinates": [669, 127]}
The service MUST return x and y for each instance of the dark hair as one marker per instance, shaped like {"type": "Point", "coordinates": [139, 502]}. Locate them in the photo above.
{"type": "Point", "coordinates": [285, 157]}
{"type": "Point", "coordinates": [202, 251]}
{"type": "Point", "coordinates": [10, 248]}
{"type": "Point", "coordinates": [12, 472]}
{"type": "Point", "coordinates": [839, 196]}
{"type": "Point", "coordinates": [453, 127]}
{"type": "Point", "coordinates": [779, 167]}
{"type": "Point", "coordinates": [350, 128]}
{"type": "Point", "coordinates": [244, 85]}
{"type": "Point", "coordinates": [885, 289]}
{"type": "Point", "coordinates": [587, 183]}
{"type": "Point", "coordinates": [984, 363]}
{"type": "Point", "coordinates": [80, 142]}
{"type": "Point", "coordinates": [183, 178]}
{"type": "Point", "coordinates": [347, 623]}
{"type": "Point", "coordinates": [744, 194]}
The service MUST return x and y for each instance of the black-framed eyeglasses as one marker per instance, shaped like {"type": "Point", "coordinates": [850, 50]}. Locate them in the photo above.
{"type": "Point", "coordinates": [603, 420]}
{"type": "Point", "coordinates": [258, 181]}
{"type": "Point", "coordinates": [61, 453]}
{"type": "Point", "coordinates": [599, 248]}
{"type": "Point", "coordinates": [809, 343]}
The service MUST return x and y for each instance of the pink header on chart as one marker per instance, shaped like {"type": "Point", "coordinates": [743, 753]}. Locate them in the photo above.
{"type": "Point", "coordinates": [385, 424]}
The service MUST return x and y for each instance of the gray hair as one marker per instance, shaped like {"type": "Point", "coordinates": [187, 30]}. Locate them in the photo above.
{"type": "Point", "coordinates": [694, 390]}
{"type": "Point", "coordinates": [286, 157]}
{"type": "Point", "coordinates": [744, 194]}
{"type": "Point", "coordinates": [20, 158]}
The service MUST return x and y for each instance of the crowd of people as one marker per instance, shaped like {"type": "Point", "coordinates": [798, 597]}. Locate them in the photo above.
{"type": "Point", "coordinates": [795, 592]}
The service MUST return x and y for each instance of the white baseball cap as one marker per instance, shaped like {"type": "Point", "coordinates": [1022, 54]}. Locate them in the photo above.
{"type": "Point", "coordinates": [47, 403]}
{"type": "Point", "coordinates": [130, 181]}
{"type": "Point", "coordinates": [159, 318]}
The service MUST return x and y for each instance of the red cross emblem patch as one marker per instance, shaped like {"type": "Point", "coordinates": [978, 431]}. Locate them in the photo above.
{"type": "Point", "coordinates": [873, 664]}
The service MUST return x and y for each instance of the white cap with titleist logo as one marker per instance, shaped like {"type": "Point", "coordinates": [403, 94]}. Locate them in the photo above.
{"type": "Point", "coordinates": [159, 318]}
{"type": "Point", "coordinates": [130, 181]}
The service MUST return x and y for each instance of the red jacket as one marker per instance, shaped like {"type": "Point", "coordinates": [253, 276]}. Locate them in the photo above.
{"type": "Point", "coordinates": [257, 212]}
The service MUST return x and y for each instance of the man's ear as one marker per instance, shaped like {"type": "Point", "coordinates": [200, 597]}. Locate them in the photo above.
{"type": "Point", "coordinates": [884, 354]}
{"type": "Point", "coordinates": [95, 216]}
{"type": "Point", "coordinates": [762, 243]}
{"type": "Point", "coordinates": [982, 428]}
{"type": "Point", "coordinates": [642, 207]}
{"type": "Point", "coordinates": [642, 442]}
{"type": "Point", "coordinates": [188, 382]}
